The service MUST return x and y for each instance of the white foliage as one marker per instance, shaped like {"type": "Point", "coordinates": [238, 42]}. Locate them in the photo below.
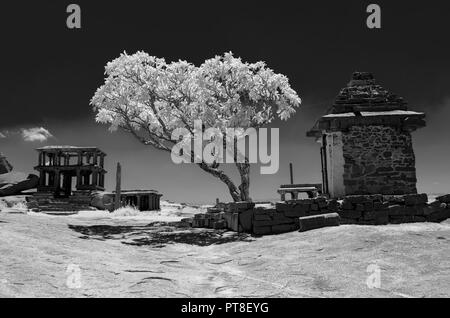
{"type": "Point", "coordinates": [150, 98]}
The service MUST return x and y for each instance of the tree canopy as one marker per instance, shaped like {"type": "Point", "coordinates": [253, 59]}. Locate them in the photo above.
{"type": "Point", "coordinates": [150, 98]}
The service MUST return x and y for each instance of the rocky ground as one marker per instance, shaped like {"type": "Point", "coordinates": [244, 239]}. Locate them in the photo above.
{"type": "Point", "coordinates": [96, 254]}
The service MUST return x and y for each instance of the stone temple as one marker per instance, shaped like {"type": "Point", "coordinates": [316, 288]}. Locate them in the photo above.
{"type": "Point", "coordinates": [366, 144]}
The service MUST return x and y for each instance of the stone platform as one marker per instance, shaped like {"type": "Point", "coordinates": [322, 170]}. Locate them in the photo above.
{"type": "Point", "coordinates": [46, 202]}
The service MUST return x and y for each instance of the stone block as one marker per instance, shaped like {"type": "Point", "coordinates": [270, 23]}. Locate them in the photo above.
{"type": "Point", "coordinates": [398, 219]}
{"type": "Point", "coordinates": [415, 199]}
{"type": "Point", "coordinates": [333, 205]}
{"type": "Point", "coordinates": [348, 221]}
{"type": "Point", "coordinates": [232, 220]}
{"type": "Point", "coordinates": [331, 219]}
{"type": "Point", "coordinates": [262, 230]}
{"type": "Point", "coordinates": [298, 211]}
{"type": "Point", "coordinates": [283, 206]}
{"type": "Point", "coordinates": [264, 210]}
{"type": "Point", "coordinates": [419, 219]}
{"type": "Point", "coordinates": [186, 222]}
{"type": "Point", "coordinates": [262, 223]}
{"type": "Point", "coordinates": [355, 199]}
{"type": "Point", "coordinates": [350, 214]}
{"type": "Point", "coordinates": [246, 220]}
{"type": "Point", "coordinates": [396, 210]}
{"type": "Point", "coordinates": [284, 228]}
{"type": "Point", "coordinates": [219, 225]}
{"type": "Point", "coordinates": [261, 217]}
{"type": "Point", "coordinates": [444, 198]}
{"type": "Point", "coordinates": [381, 217]}
{"type": "Point", "coordinates": [347, 205]}
{"type": "Point", "coordinates": [318, 221]}
{"type": "Point", "coordinates": [377, 205]}
{"type": "Point", "coordinates": [394, 199]}
{"type": "Point", "coordinates": [439, 215]}
{"type": "Point", "coordinates": [368, 206]}
{"type": "Point", "coordinates": [321, 203]}
{"type": "Point", "coordinates": [301, 201]}
{"type": "Point", "coordinates": [198, 223]}
{"type": "Point", "coordinates": [279, 218]}
{"type": "Point", "coordinates": [236, 207]}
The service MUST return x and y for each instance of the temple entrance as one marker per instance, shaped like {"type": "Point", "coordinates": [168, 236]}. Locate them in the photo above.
{"type": "Point", "coordinates": [66, 185]}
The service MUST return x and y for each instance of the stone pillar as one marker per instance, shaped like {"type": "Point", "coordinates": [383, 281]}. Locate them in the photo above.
{"type": "Point", "coordinates": [94, 178]}
{"type": "Point", "coordinates": [57, 179]}
{"type": "Point", "coordinates": [138, 202]}
{"type": "Point", "coordinates": [41, 178]}
{"type": "Point", "coordinates": [78, 178]}
{"type": "Point", "coordinates": [51, 179]}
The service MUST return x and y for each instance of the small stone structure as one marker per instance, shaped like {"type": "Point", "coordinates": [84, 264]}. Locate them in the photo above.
{"type": "Point", "coordinates": [312, 190]}
{"type": "Point", "coordinates": [68, 177]}
{"type": "Point", "coordinates": [286, 216]}
{"type": "Point", "coordinates": [73, 179]}
{"type": "Point", "coordinates": [366, 145]}
{"type": "Point", "coordinates": [143, 200]}
{"type": "Point", "coordinates": [60, 165]}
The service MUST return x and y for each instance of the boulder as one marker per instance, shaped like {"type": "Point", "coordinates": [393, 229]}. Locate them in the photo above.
{"type": "Point", "coordinates": [103, 200]}
{"type": "Point", "coordinates": [5, 166]}
{"type": "Point", "coordinates": [13, 183]}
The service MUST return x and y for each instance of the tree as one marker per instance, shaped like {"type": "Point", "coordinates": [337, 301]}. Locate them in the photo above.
{"type": "Point", "coordinates": [150, 98]}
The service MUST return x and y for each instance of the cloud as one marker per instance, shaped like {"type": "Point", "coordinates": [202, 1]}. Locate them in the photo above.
{"type": "Point", "coordinates": [36, 134]}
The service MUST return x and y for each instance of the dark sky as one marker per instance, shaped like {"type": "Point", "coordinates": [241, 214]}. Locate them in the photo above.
{"type": "Point", "coordinates": [50, 72]}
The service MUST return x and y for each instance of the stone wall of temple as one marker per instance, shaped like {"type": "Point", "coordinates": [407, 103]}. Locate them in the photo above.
{"type": "Point", "coordinates": [378, 160]}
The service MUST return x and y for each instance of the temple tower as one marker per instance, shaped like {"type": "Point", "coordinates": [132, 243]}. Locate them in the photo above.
{"type": "Point", "coordinates": [366, 145]}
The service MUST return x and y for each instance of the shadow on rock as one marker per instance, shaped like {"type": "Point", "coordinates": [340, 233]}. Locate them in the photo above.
{"type": "Point", "coordinates": [158, 234]}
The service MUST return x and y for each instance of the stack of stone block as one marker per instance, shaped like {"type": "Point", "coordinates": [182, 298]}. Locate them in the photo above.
{"type": "Point", "coordinates": [364, 209]}
{"type": "Point", "coordinates": [284, 217]}
{"type": "Point", "coordinates": [393, 209]}
{"type": "Point", "coordinates": [306, 214]}
{"type": "Point", "coordinates": [440, 209]}
{"type": "Point", "coordinates": [263, 219]}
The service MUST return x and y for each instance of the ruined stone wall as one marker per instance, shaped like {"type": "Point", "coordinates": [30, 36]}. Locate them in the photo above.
{"type": "Point", "coordinates": [286, 216]}
{"type": "Point", "coordinates": [378, 160]}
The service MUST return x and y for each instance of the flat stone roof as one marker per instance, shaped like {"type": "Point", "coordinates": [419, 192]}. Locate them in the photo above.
{"type": "Point", "coordinates": [70, 149]}
{"type": "Point", "coordinates": [135, 192]}
{"type": "Point", "coordinates": [377, 113]}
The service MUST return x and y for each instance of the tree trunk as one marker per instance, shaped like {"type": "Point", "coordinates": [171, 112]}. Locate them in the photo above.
{"type": "Point", "coordinates": [244, 171]}
{"type": "Point", "coordinates": [234, 192]}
